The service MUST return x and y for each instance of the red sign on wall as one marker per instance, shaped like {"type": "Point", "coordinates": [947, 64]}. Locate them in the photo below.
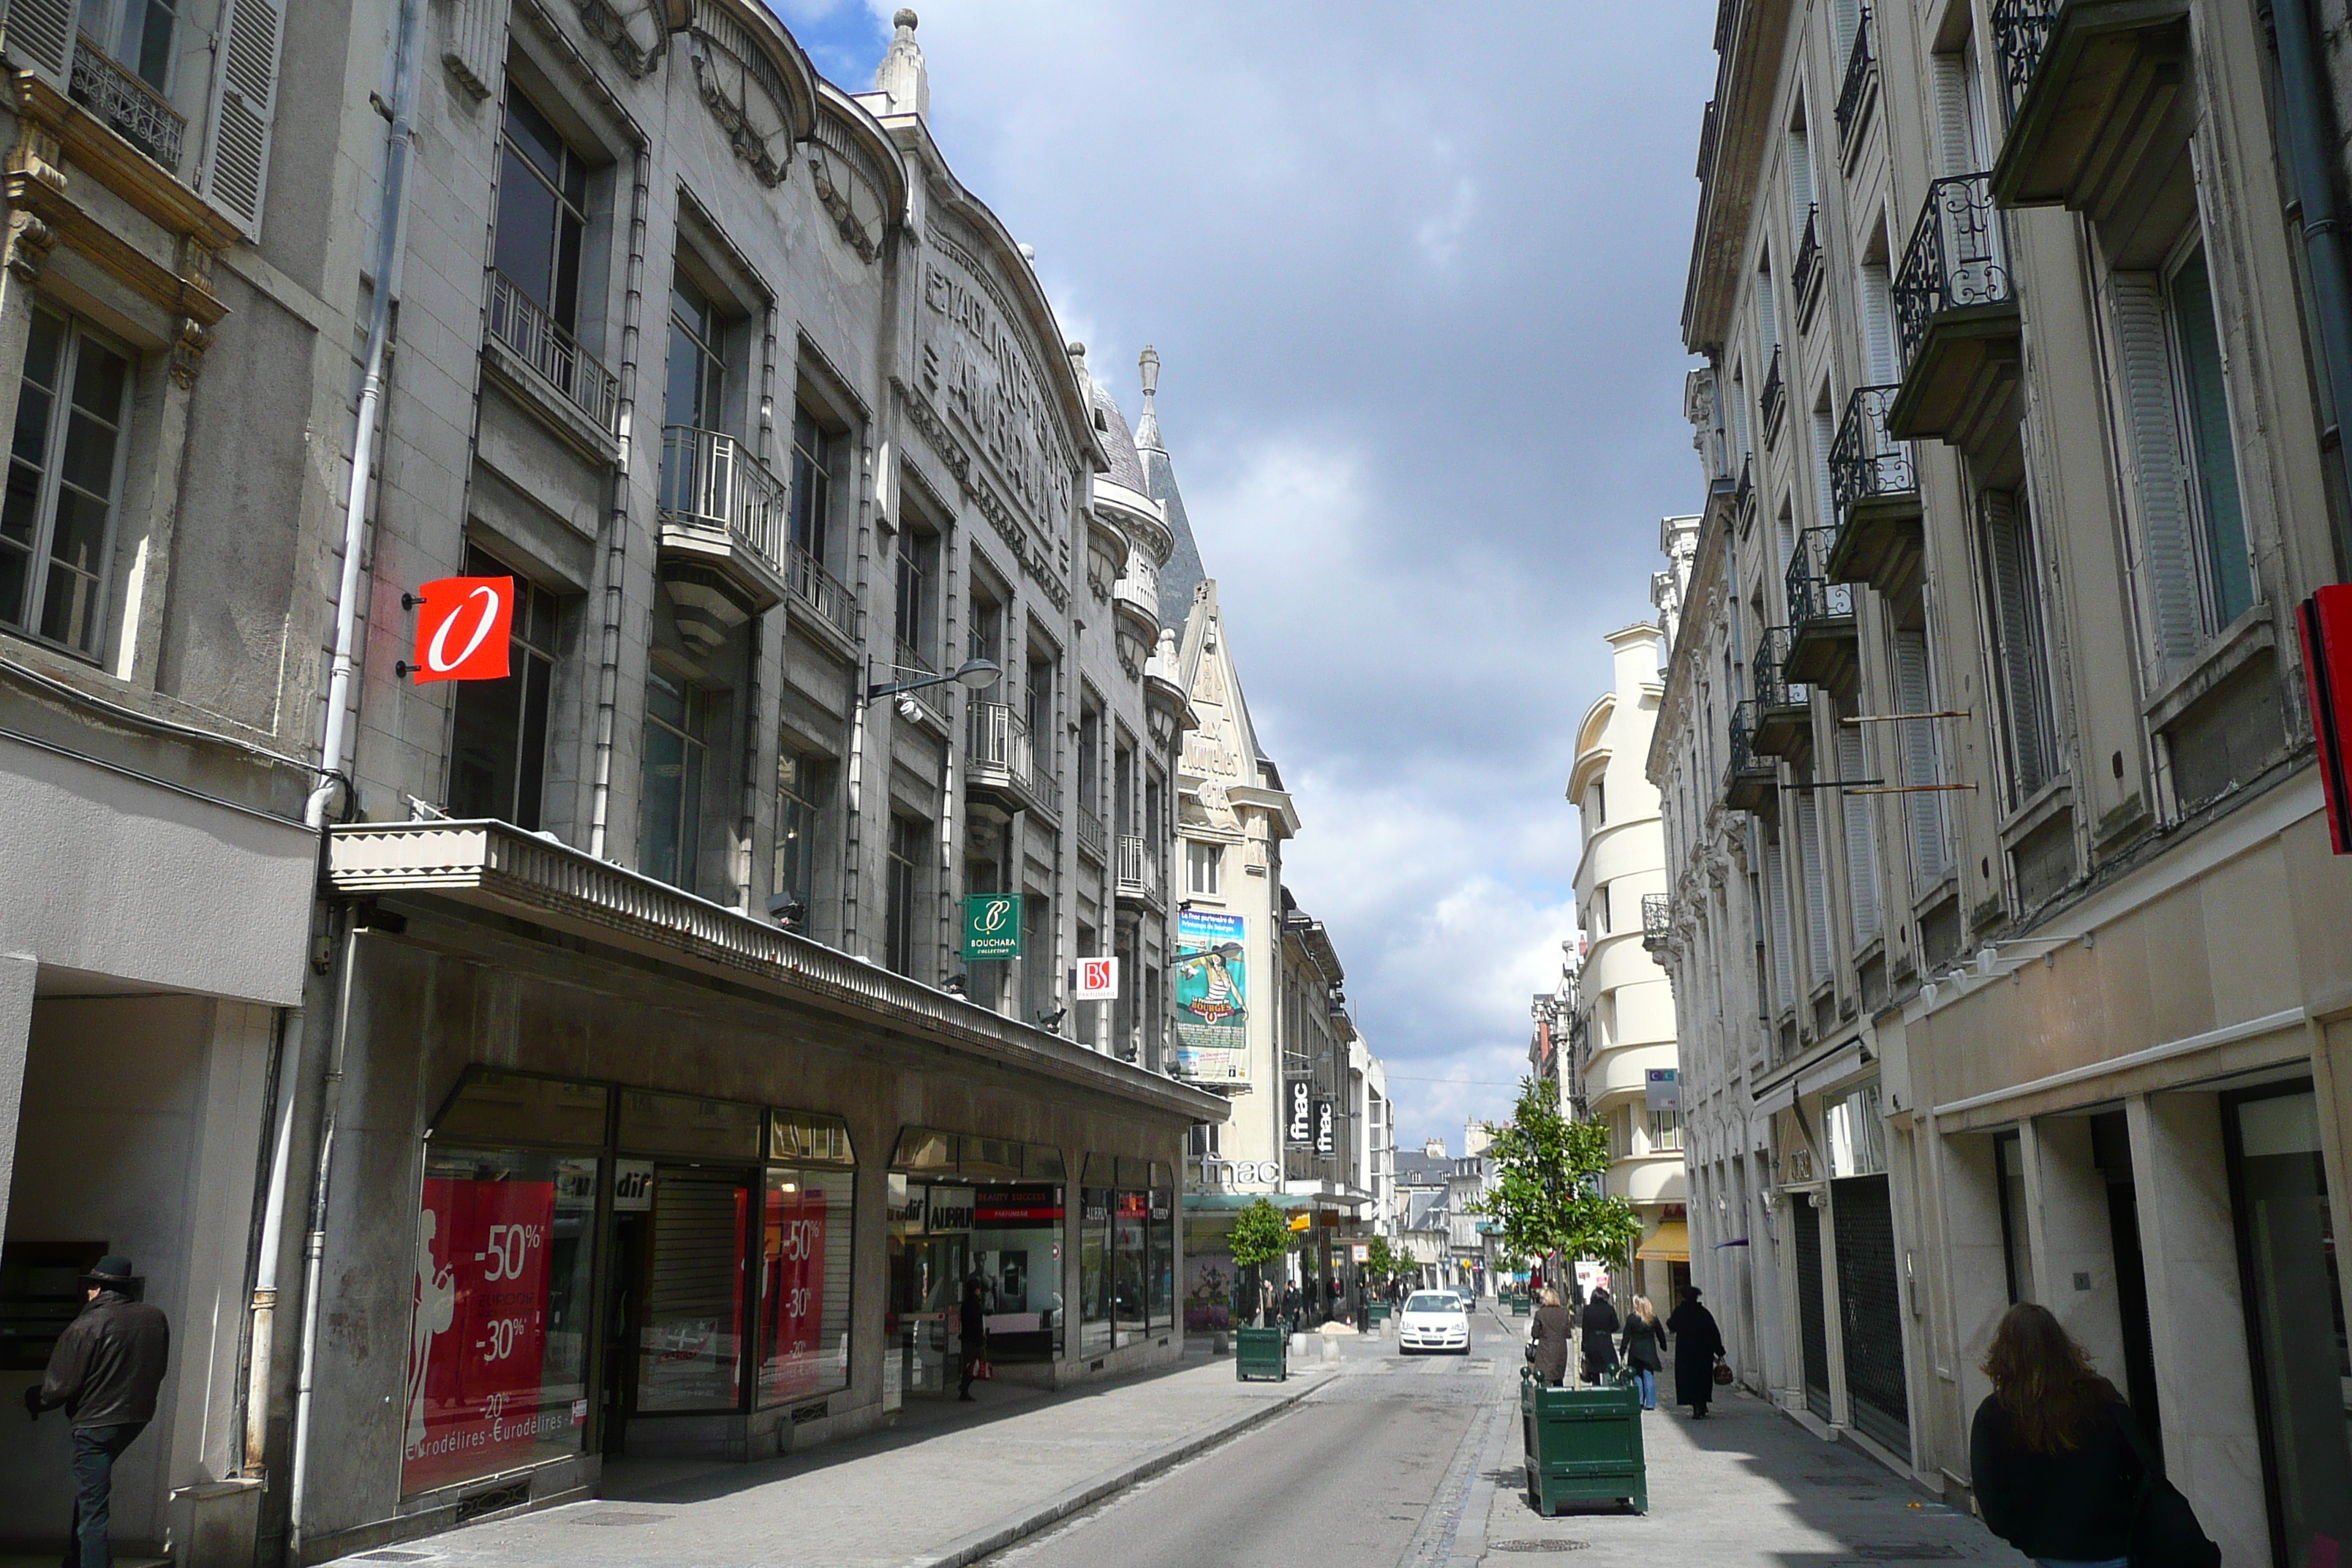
{"type": "Point", "coordinates": [2327, 625]}
{"type": "Point", "coordinates": [463, 625]}
{"type": "Point", "coordinates": [793, 1294]}
{"type": "Point", "coordinates": [479, 1339]}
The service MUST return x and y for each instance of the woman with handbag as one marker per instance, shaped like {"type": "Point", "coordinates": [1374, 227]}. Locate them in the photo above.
{"type": "Point", "coordinates": [1698, 1347]}
{"type": "Point", "coordinates": [1548, 1338]}
{"type": "Point", "coordinates": [1645, 1338]}
{"type": "Point", "coordinates": [2061, 1469]}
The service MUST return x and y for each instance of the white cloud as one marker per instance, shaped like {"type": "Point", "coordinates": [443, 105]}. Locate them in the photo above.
{"type": "Point", "coordinates": [1415, 274]}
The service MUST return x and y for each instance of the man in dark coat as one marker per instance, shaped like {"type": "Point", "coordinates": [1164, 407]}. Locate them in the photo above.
{"type": "Point", "coordinates": [1601, 1328]}
{"type": "Point", "coordinates": [1698, 1343]}
{"type": "Point", "coordinates": [105, 1370]}
{"type": "Point", "coordinates": [971, 1328]}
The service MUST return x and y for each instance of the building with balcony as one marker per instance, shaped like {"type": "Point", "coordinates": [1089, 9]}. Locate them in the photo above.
{"type": "Point", "coordinates": [628, 988]}
{"type": "Point", "coordinates": [1623, 1005]}
{"type": "Point", "coordinates": [1998, 870]}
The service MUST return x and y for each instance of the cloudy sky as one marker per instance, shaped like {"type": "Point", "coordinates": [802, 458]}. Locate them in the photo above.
{"type": "Point", "coordinates": [1415, 272]}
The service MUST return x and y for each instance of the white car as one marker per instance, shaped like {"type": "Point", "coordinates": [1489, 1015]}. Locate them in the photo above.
{"type": "Point", "coordinates": [1433, 1321]}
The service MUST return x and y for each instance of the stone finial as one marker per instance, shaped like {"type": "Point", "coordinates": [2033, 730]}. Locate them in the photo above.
{"type": "Point", "coordinates": [901, 79]}
{"type": "Point", "coordinates": [1147, 429]}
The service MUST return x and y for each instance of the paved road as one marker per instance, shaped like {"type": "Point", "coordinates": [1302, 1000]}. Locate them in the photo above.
{"type": "Point", "coordinates": [1377, 1467]}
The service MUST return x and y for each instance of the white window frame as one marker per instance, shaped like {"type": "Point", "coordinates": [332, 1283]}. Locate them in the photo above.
{"type": "Point", "coordinates": [45, 511]}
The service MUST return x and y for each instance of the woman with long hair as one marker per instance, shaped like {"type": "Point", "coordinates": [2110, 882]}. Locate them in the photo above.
{"type": "Point", "coordinates": [1645, 1339]}
{"type": "Point", "coordinates": [1548, 1338]}
{"type": "Point", "coordinates": [2053, 1452]}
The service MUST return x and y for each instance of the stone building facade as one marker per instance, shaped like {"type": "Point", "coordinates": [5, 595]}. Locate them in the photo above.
{"type": "Point", "coordinates": [1623, 1003]}
{"type": "Point", "coordinates": [2007, 943]}
{"type": "Point", "coordinates": [613, 1080]}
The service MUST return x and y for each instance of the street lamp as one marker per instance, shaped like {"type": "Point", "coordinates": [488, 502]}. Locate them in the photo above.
{"type": "Point", "coordinates": [974, 674]}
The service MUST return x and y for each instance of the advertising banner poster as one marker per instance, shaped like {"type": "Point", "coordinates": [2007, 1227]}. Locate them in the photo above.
{"type": "Point", "coordinates": [478, 1339]}
{"type": "Point", "coordinates": [1212, 980]}
{"type": "Point", "coordinates": [992, 927]}
{"type": "Point", "coordinates": [792, 1293]}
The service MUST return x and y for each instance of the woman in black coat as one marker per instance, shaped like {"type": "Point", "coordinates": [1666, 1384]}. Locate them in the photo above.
{"type": "Point", "coordinates": [1698, 1343]}
{"type": "Point", "coordinates": [1601, 1327]}
{"type": "Point", "coordinates": [1646, 1337]}
{"type": "Point", "coordinates": [1548, 1338]}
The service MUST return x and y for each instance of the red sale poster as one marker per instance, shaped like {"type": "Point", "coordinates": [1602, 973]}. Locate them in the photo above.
{"type": "Point", "coordinates": [793, 1298]}
{"type": "Point", "coordinates": [479, 1338]}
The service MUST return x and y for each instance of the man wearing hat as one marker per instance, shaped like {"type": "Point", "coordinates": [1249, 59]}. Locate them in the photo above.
{"type": "Point", "coordinates": [105, 1370]}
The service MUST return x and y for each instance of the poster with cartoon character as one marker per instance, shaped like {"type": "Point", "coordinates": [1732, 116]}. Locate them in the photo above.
{"type": "Point", "coordinates": [477, 1343]}
{"type": "Point", "coordinates": [1212, 978]}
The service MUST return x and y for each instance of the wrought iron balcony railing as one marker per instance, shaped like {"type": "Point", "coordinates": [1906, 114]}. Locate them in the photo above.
{"type": "Point", "coordinates": [1744, 496]}
{"type": "Point", "coordinates": [1859, 64]}
{"type": "Point", "coordinates": [1771, 689]}
{"type": "Point", "coordinates": [1865, 462]}
{"type": "Point", "coordinates": [1812, 594]}
{"type": "Point", "coordinates": [819, 589]}
{"type": "Point", "coordinates": [1091, 835]}
{"type": "Point", "coordinates": [1741, 736]}
{"type": "Point", "coordinates": [1807, 269]}
{"type": "Point", "coordinates": [1953, 259]}
{"type": "Point", "coordinates": [116, 95]}
{"type": "Point", "coordinates": [998, 741]}
{"type": "Point", "coordinates": [1772, 397]}
{"type": "Point", "coordinates": [1139, 873]}
{"type": "Point", "coordinates": [1657, 919]}
{"type": "Point", "coordinates": [535, 337]}
{"type": "Point", "coordinates": [712, 479]}
{"type": "Point", "coordinates": [2020, 32]}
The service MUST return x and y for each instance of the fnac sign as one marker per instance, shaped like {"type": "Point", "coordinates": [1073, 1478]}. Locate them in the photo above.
{"type": "Point", "coordinates": [463, 625]}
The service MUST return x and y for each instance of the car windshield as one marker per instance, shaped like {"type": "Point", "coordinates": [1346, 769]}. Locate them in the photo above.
{"type": "Point", "coordinates": [1433, 1302]}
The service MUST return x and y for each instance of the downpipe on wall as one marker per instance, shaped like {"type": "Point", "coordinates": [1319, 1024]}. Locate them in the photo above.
{"type": "Point", "coordinates": [2309, 146]}
{"type": "Point", "coordinates": [391, 223]}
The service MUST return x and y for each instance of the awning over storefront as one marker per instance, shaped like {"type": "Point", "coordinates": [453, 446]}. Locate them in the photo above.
{"type": "Point", "coordinates": [1670, 1243]}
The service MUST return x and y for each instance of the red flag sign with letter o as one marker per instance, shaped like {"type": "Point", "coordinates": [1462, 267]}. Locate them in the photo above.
{"type": "Point", "coordinates": [462, 629]}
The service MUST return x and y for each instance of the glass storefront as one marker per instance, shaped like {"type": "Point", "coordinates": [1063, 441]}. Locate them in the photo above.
{"type": "Point", "coordinates": [725, 1280]}
{"type": "Point", "coordinates": [1127, 1252]}
{"type": "Point", "coordinates": [964, 1208]}
{"type": "Point", "coordinates": [2295, 1318]}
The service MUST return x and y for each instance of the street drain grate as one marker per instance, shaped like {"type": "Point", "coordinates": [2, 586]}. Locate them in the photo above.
{"type": "Point", "coordinates": [395, 1557]}
{"type": "Point", "coordinates": [1900, 1550]}
{"type": "Point", "coordinates": [1541, 1545]}
{"type": "Point", "coordinates": [617, 1517]}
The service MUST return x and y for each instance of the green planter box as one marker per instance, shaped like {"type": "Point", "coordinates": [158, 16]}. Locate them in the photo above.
{"type": "Point", "coordinates": [1583, 1445]}
{"type": "Point", "coordinates": [1519, 1308]}
{"type": "Point", "coordinates": [1375, 1313]}
{"type": "Point", "coordinates": [1261, 1355]}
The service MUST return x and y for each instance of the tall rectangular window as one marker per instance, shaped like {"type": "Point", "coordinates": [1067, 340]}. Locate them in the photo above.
{"type": "Point", "coordinates": [1037, 958]}
{"type": "Point", "coordinates": [1861, 839]}
{"type": "Point", "coordinates": [1921, 754]}
{"type": "Point", "coordinates": [800, 786]}
{"type": "Point", "coordinates": [2205, 433]}
{"type": "Point", "coordinates": [2017, 1255]}
{"type": "Point", "coordinates": [498, 742]}
{"type": "Point", "coordinates": [542, 213]}
{"type": "Point", "coordinates": [677, 749]}
{"type": "Point", "coordinates": [811, 502]}
{"type": "Point", "coordinates": [1040, 716]}
{"type": "Point", "coordinates": [918, 569]}
{"type": "Point", "coordinates": [65, 476]}
{"type": "Point", "coordinates": [1204, 870]}
{"type": "Point", "coordinates": [697, 388]}
{"type": "Point", "coordinates": [2013, 593]}
{"type": "Point", "coordinates": [1816, 888]}
{"type": "Point", "coordinates": [909, 846]}
{"type": "Point", "coordinates": [138, 34]}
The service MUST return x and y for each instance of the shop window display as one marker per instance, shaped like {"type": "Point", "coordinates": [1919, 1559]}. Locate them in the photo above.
{"type": "Point", "coordinates": [498, 1346]}
{"type": "Point", "coordinates": [963, 1207]}
{"type": "Point", "coordinates": [805, 1271]}
{"type": "Point", "coordinates": [1095, 1269]}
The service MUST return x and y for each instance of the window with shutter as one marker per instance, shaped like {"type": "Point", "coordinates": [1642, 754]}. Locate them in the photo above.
{"type": "Point", "coordinates": [1861, 843]}
{"type": "Point", "coordinates": [1824, 435]}
{"type": "Point", "coordinates": [2205, 437]}
{"type": "Point", "coordinates": [2013, 589]}
{"type": "Point", "coordinates": [237, 118]}
{"type": "Point", "coordinates": [1915, 693]}
{"type": "Point", "coordinates": [41, 33]}
{"type": "Point", "coordinates": [1878, 323]}
{"type": "Point", "coordinates": [2151, 431]}
{"type": "Point", "coordinates": [1800, 180]}
{"type": "Point", "coordinates": [1776, 897]}
{"type": "Point", "coordinates": [1816, 886]}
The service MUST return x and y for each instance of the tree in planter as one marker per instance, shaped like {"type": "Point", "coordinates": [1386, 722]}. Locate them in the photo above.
{"type": "Point", "coordinates": [1548, 1195]}
{"type": "Point", "coordinates": [1260, 1235]}
{"type": "Point", "coordinates": [1380, 1261]}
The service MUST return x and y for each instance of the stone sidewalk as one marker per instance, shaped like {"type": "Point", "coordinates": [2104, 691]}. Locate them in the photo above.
{"type": "Point", "coordinates": [948, 1485]}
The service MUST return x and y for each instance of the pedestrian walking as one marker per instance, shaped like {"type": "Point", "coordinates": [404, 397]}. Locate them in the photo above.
{"type": "Point", "coordinates": [2062, 1470]}
{"type": "Point", "coordinates": [1601, 1327]}
{"type": "Point", "coordinates": [973, 1328]}
{"type": "Point", "coordinates": [1644, 1339]}
{"type": "Point", "coordinates": [1548, 1338]}
{"type": "Point", "coordinates": [1699, 1345]}
{"type": "Point", "coordinates": [104, 1370]}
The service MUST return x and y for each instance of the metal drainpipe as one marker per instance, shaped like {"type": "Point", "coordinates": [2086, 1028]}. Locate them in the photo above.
{"type": "Point", "coordinates": [262, 1354]}
{"type": "Point", "coordinates": [314, 1247]}
{"type": "Point", "coordinates": [2304, 112]}
{"type": "Point", "coordinates": [391, 223]}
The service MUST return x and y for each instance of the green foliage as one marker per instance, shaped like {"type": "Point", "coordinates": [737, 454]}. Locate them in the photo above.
{"type": "Point", "coordinates": [1548, 1195]}
{"type": "Point", "coordinates": [1381, 1262]}
{"type": "Point", "coordinates": [1261, 1235]}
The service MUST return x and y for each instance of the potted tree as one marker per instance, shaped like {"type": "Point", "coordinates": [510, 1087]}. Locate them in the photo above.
{"type": "Point", "coordinates": [1379, 1268]}
{"type": "Point", "coordinates": [1261, 1235]}
{"type": "Point", "coordinates": [1582, 1443]}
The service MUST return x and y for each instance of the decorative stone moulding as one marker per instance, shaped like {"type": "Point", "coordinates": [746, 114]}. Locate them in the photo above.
{"type": "Point", "coordinates": [636, 31]}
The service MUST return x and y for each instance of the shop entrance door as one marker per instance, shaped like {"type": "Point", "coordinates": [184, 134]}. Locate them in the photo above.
{"type": "Point", "coordinates": [2111, 1152]}
{"type": "Point", "coordinates": [926, 1279]}
{"type": "Point", "coordinates": [1811, 1312]}
{"type": "Point", "coordinates": [1869, 1309]}
{"type": "Point", "coordinates": [678, 1313]}
{"type": "Point", "coordinates": [624, 1324]}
